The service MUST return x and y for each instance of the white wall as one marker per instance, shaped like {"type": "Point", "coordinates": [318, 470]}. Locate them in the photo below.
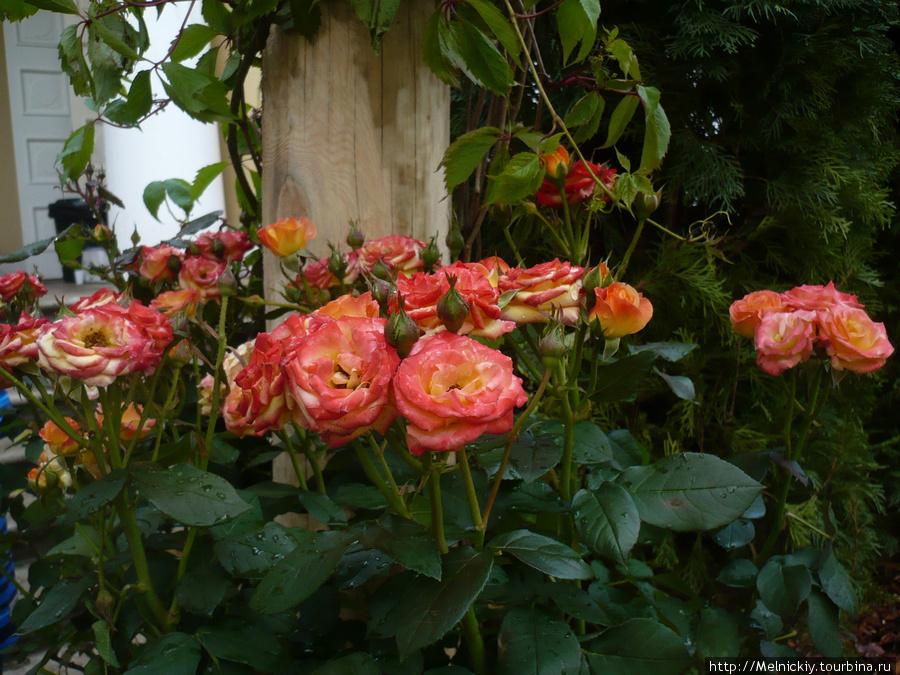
{"type": "Point", "coordinates": [168, 145]}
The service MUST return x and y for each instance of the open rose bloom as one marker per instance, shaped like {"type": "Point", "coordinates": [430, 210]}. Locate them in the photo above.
{"type": "Point", "coordinates": [551, 290]}
{"type": "Point", "coordinates": [788, 327]}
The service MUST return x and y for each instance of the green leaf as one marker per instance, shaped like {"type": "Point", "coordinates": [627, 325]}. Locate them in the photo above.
{"type": "Point", "coordinates": [378, 15]}
{"type": "Point", "coordinates": [824, 628]}
{"type": "Point", "coordinates": [199, 94]}
{"type": "Point", "coordinates": [154, 195]}
{"type": "Point", "coordinates": [838, 585]}
{"type": "Point", "coordinates": [690, 491]}
{"type": "Point", "coordinates": [768, 620]}
{"type": "Point", "coordinates": [27, 251]}
{"type": "Point", "coordinates": [299, 573]}
{"type": "Point", "coordinates": [576, 21]}
{"type": "Point", "coordinates": [103, 643]}
{"type": "Point", "coordinates": [592, 447]}
{"type": "Point", "coordinates": [172, 654]}
{"type": "Point", "coordinates": [620, 380]}
{"type": "Point", "coordinates": [191, 496]}
{"type": "Point", "coordinates": [574, 602]}
{"type": "Point", "coordinates": [607, 520]}
{"type": "Point", "coordinates": [625, 56]}
{"type": "Point", "coordinates": [73, 61]}
{"type": "Point", "coordinates": [537, 450]}
{"type": "Point", "coordinates": [321, 508]}
{"type": "Point", "coordinates": [481, 59]}
{"type": "Point", "coordinates": [783, 587]}
{"type": "Point", "coordinates": [500, 26]}
{"type": "Point", "coordinates": [205, 176]}
{"type": "Point", "coordinates": [438, 50]}
{"type": "Point", "coordinates": [583, 109]}
{"type": "Point", "coordinates": [736, 534]}
{"type": "Point", "coordinates": [93, 497]}
{"type": "Point", "coordinates": [620, 118]}
{"type": "Point", "coordinates": [465, 154]}
{"type": "Point", "coordinates": [657, 133]}
{"type": "Point", "coordinates": [60, 6]}
{"type": "Point", "coordinates": [251, 644]}
{"type": "Point", "coordinates": [670, 351]}
{"type": "Point", "coordinates": [543, 553]}
{"type": "Point", "coordinates": [408, 543]}
{"type": "Point", "coordinates": [718, 633]}
{"type": "Point", "coordinates": [437, 606]}
{"type": "Point", "coordinates": [114, 31]}
{"type": "Point", "coordinates": [77, 152]}
{"type": "Point", "coordinates": [307, 15]}
{"type": "Point", "coordinates": [251, 555]}
{"type": "Point", "coordinates": [202, 589]}
{"type": "Point", "coordinates": [179, 192]}
{"type": "Point", "coordinates": [534, 641]}
{"type": "Point", "coordinates": [55, 605]}
{"type": "Point", "coordinates": [520, 179]}
{"type": "Point", "coordinates": [680, 385]}
{"type": "Point", "coordinates": [191, 41]}
{"type": "Point", "coordinates": [637, 647]}
{"type": "Point", "coordinates": [358, 663]}
{"type": "Point", "coordinates": [738, 573]}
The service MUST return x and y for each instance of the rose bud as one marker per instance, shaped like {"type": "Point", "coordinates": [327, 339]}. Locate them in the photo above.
{"type": "Point", "coordinates": [595, 277]}
{"type": "Point", "coordinates": [381, 293]}
{"type": "Point", "coordinates": [452, 308]}
{"type": "Point", "coordinates": [644, 205]}
{"type": "Point", "coordinates": [356, 238]}
{"type": "Point", "coordinates": [101, 233]}
{"type": "Point", "coordinates": [430, 256]}
{"type": "Point", "coordinates": [336, 264]}
{"type": "Point", "coordinates": [552, 346]}
{"type": "Point", "coordinates": [401, 332]}
{"type": "Point", "coordinates": [174, 263]}
{"type": "Point", "coordinates": [380, 270]}
{"type": "Point", "coordinates": [227, 284]}
{"type": "Point", "coordinates": [217, 247]}
{"type": "Point", "coordinates": [455, 242]}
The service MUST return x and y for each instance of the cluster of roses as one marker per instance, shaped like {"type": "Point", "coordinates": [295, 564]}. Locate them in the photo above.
{"type": "Point", "coordinates": [98, 340]}
{"type": "Point", "coordinates": [196, 270]}
{"type": "Point", "coordinates": [19, 286]}
{"type": "Point", "coordinates": [572, 180]}
{"type": "Point", "coordinates": [788, 327]}
{"type": "Point", "coordinates": [62, 455]}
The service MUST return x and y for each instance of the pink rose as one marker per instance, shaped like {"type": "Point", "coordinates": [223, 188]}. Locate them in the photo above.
{"type": "Point", "coordinates": [349, 305]}
{"type": "Point", "coordinates": [399, 253]}
{"type": "Point", "coordinates": [28, 285]}
{"type": "Point", "coordinates": [852, 340]}
{"type": "Point", "coordinates": [339, 376]}
{"type": "Point", "coordinates": [18, 343]}
{"type": "Point", "coordinates": [452, 389]}
{"type": "Point", "coordinates": [159, 263]}
{"type": "Point", "coordinates": [258, 401]}
{"type": "Point", "coordinates": [547, 291]}
{"type": "Point", "coordinates": [182, 302]}
{"type": "Point", "coordinates": [104, 296]}
{"type": "Point", "coordinates": [579, 185]}
{"type": "Point", "coordinates": [747, 312]}
{"type": "Point", "coordinates": [317, 274]}
{"type": "Point", "coordinates": [620, 310]}
{"type": "Point", "coordinates": [202, 275]}
{"type": "Point", "coordinates": [815, 298]}
{"type": "Point", "coordinates": [222, 246]}
{"type": "Point", "coordinates": [784, 339]}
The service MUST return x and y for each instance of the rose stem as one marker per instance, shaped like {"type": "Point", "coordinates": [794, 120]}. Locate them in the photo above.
{"type": "Point", "coordinates": [379, 453]}
{"type": "Point", "coordinates": [437, 508]}
{"type": "Point", "coordinates": [625, 258]}
{"type": "Point", "coordinates": [568, 451]}
{"type": "Point", "coordinates": [295, 460]}
{"type": "Point", "coordinates": [472, 498]}
{"type": "Point", "coordinates": [217, 379]}
{"type": "Point", "coordinates": [369, 467]}
{"type": "Point", "coordinates": [169, 398]}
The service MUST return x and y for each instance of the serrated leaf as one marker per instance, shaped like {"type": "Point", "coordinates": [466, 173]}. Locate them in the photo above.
{"type": "Point", "coordinates": [191, 496]}
{"type": "Point", "coordinates": [249, 643]}
{"type": "Point", "coordinates": [437, 50]}
{"type": "Point", "coordinates": [838, 585]}
{"type": "Point", "coordinates": [670, 351]}
{"type": "Point", "coordinates": [77, 151]}
{"type": "Point", "coordinates": [437, 606]}
{"type": "Point", "coordinates": [321, 508]}
{"type": "Point", "coordinates": [113, 31]}
{"type": "Point", "coordinates": [91, 498]}
{"type": "Point", "coordinates": [607, 520]}
{"type": "Point", "coordinates": [620, 118]}
{"type": "Point", "coordinates": [592, 447]}
{"type": "Point", "coordinates": [537, 450]}
{"type": "Point", "coordinates": [407, 542]}
{"type": "Point", "coordinates": [205, 176]}
{"type": "Point", "coordinates": [103, 643]}
{"type": "Point", "coordinates": [626, 58]}
{"type": "Point", "coordinates": [583, 109]}
{"type": "Point", "coordinates": [55, 605]}
{"type": "Point", "coordinates": [465, 154]}
{"type": "Point", "coordinates": [500, 26]}
{"type": "Point", "coordinates": [620, 380]}
{"type": "Point", "coordinates": [61, 6]}
{"type": "Point", "coordinates": [26, 252]}
{"type": "Point", "coordinates": [824, 628]}
{"type": "Point", "coordinates": [543, 553]}
{"type": "Point", "coordinates": [637, 647]}
{"type": "Point", "coordinates": [191, 41]}
{"type": "Point", "coordinates": [735, 535]}
{"type": "Point", "coordinates": [768, 620]}
{"type": "Point", "coordinates": [179, 191]}
{"type": "Point", "coordinates": [783, 587]}
{"type": "Point", "coordinates": [521, 178]}
{"type": "Point", "coordinates": [738, 573]}
{"type": "Point", "coordinates": [154, 195]}
{"type": "Point", "coordinates": [657, 133]}
{"type": "Point", "coordinates": [378, 15]}
{"type": "Point", "coordinates": [680, 385]}
{"type": "Point", "coordinates": [690, 491]}
{"type": "Point", "coordinates": [250, 555]}
{"type": "Point", "coordinates": [576, 21]}
{"type": "Point", "coordinates": [481, 59]}
{"type": "Point", "coordinates": [534, 641]}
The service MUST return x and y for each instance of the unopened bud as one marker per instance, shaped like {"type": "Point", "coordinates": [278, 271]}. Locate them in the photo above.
{"type": "Point", "coordinates": [452, 308]}
{"type": "Point", "coordinates": [293, 294]}
{"type": "Point", "coordinates": [102, 233]}
{"type": "Point", "coordinates": [595, 277]}
{"type": "Point", "coordinates": [430, 256]}
{"type": "Point", "coordinates": [337, 265]}
{"type": "Point", "coordinates": [105, 604]}
{"type": "Point", "coordinates": [181, 353]}
{"type": "Point", "coordinates": [401, 332]}
{"type": "Point", "coordinates": [356, 238]}
{"type": "Point", "coordinates": [380, 270]}
{"type": "Point", "coordinates": [381, 292]}
{"type": "Point", "coordinates": [227, 284]}
{"type": "Point", "coordinates": [218, 248]}
{"type": "Point", "coordinates": [455, 242]}
{"type": "Point", "coordinates": [552, 346]}
{"type": "Point", "coordinates": [644, 205]}
{"type": "Point", "coordinates": [193, 250]}
{"type": "Point", "coordinates": [174, 264]}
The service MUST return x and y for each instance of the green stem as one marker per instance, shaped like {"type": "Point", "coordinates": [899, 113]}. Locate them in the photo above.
{"type": "Point", "coordinates": [165, 410]}
{"type": "Point", "coordinates": [111, 427]}
{"type": "Point", "coordinates": [512, 244]}
{"type": "Point", "coordinates": [139, 558]}
{"type": "Point", "coordinates": [565, 481]}
{"type": "Point", "coordinates": [524, 359]}
{"type": "Point", "coordinates": [393, 499]}
{"type": "Point", "coordinates": [474, 642]}
{"type": "Point", "coordinates": [634, 240]}
{"type": "Point", "coordinates": [172, 618]}
{"type": "Point", "coordinates": [295, 459]}
{"type": "Point", "coordinates": [437, 507]}
{"type": "Point", "coordinates": [379, 453]}
{"type": "Point", "coordinates": [471, 497]}
{"type": "Point", "coordinates": [399, 449]}
{"type": "Point", "coordinates": [217, 378]}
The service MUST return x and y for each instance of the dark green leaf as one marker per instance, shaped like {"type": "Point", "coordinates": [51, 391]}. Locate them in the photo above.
{"type": "Point", "coordinates": [91, 498]}
{"type": "Point", "coordinates": [103, 643]}
{"type": "Point", "coordinates": [154, 195]}
{"type": "Point", "coordinates": [251, 555]}
{"type": "Point", "coordinates": [299, 573]}
{"type": "Point", "coordinates": [500, 26]}
{"type": "Point", "coordinates": [670, 351]}
{"type": "Point", "coordinates": [198, 224]}
{"type": "Point", "coordinates": [77, 151]}
{"type": "Point", "coordinates": [250, 644]}
{"type": "Point", "coordinates": [626, 450]}
{"type": "Point", "coordinates": [592, 447]}
{"type": "Point", "coordinates": [534, 641]}
{"type": "Point", "coordinates": [437, 606]}
{"type": "Point", "coordinates": [620, 118]}
{"type": "Point", "coordinates": [307, 15]}
{"type": "Point", "coordinates": [543, 553]}
{"type": "Point", "coordinates": [718, 633]}
{"type": "Point", "coordinates": [690, 491]}
{"type": "Point", "coordinates": [321, 508]}
{"type": "Point", "coordinates": [620, 380]}
{"type": "Point", "coordinates": [824, 628]}
{"type": "Point", "coordinates": [537, 450]}
{"type": "Point", "coordinates": [576, 21]}
{"type": "Point", "coordinates": [574, 602]}
{"type": "Point", "coordinates": [739, 573]}
{"type": "Point", "coordinates": [61, 6]}
{"type": "Point", "coordinates": [378, 15]}
{"type": "Point", "coordinates": [607, 520]}
{"type": "Point", "coordinates": [838, 585]}
{"type": "Point", "coordinates": [191, 41]}
{"type": "Point", "coordinates": [465, 154]}
{"type": "Point", "coordinates": [199, 94]}
{"type": "Point", "coordinates": [783, 587]}
{"type": "Point", "coordinates": [73, 61]}
{"type": "Point", "coordinates": [172, 654]}
{"type": "Point", "coordinates": [768, 620]}
{"type": "Point", "coordinates": [205, 176]}
{"type": "Point", "coordinates": [657, 133]}
{"type": "Point", "coordinates": [358, 663]}
{"type": "Point", "coordinates": [481, 59]}
{"type": "Point", "coordinates": [637, 647]}
{"type": "Point", "coordinates": [202, 589]}
{"type": "Point", "coordinates": [736, 534]}
{"type": "Point", "coordinates": [681, 386]}
{"type": "Point", "coordinates": [114, 31]}
{"type": "Point", "coordinates": [191, 496]}
{"type": "Point", "coordinates": [179, 192]}
{"type": "Point", "coordinates": [27, 251]}
{"type": "Point", "coordinates": [520, 179]}
{"type": "Point", "coordinates": [407, 542]}
{"type": "Point", "coordinates": [583, 109]}
{"type": "Point", "coordinates": [438, 50]}
{"type": "Point", "coordinates": [55, 605]}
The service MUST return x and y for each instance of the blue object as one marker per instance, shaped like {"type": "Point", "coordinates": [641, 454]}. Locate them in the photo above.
{"type": "Point", "coordinates": [8, 590]}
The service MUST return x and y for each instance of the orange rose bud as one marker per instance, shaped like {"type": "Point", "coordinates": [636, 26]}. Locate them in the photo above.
{"type": "Point", "coordinates": [287, 236]}
{"type": "Point", "coordinates": [557, 163]}
{"type": "Point", "coordinates": [620, 310]}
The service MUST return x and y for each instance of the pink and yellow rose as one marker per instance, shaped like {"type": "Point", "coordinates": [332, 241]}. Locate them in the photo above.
{"type": "Point", "coordinates": [852, 340]}
{"type": "Point", "coordinates": [222, 246]}
{"type": "Point", "coordinates": [20, 284]}
{"type": "Point", "coordinates": [784, 339]}
{"type": "Point", "coordinates": [399, 253]}
{"type": "Point", "coordinates": [747, 312]}
{"type": "Point", "coordinates": [159, 263]}
{"type": "Point", "coordinates": [551, 290]}
{"type": "Point", "coordinates": [620, 310]}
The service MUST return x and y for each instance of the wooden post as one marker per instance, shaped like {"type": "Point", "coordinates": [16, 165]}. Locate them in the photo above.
{"type": "Point", "coordinates": [351, 135]}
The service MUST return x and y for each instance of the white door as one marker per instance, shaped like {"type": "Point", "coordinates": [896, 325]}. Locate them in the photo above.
{"type": "Point", "coordinates": [41, 122]}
